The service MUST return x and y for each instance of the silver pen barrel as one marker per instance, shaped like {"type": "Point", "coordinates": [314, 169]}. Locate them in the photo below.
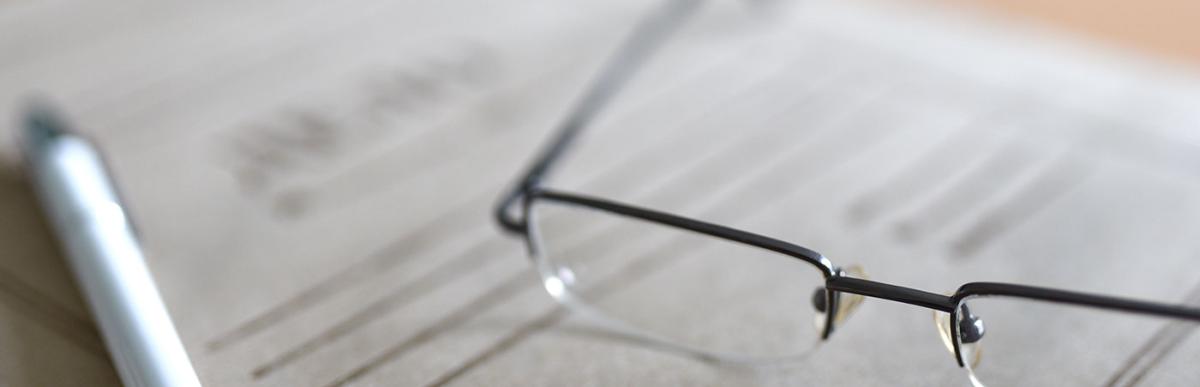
{"type": "Point", "coordinates": [79, 198]}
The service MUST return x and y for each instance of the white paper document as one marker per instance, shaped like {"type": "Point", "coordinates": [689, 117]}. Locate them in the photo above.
{"type": "Point", "coordinates": [313, 182]}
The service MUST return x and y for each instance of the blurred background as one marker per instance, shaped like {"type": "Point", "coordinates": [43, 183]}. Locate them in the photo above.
{"type": "Point", "coordinates": [312, 181]}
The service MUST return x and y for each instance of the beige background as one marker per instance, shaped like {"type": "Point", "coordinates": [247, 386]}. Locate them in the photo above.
{"type": "Point", "coordinates": [1156, 27]}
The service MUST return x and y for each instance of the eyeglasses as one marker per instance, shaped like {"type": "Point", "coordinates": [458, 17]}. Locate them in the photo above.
{"type": "Point", "coordinates": [729, 295]}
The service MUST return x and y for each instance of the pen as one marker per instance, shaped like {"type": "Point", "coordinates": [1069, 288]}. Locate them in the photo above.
{"type": "Point", "coordinates": [93, 226]}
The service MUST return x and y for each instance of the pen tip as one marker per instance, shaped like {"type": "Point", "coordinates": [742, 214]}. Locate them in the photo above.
{"type": "Point", "coordinates": [42, 124]}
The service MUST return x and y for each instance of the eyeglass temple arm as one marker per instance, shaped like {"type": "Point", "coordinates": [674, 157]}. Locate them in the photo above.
{"type": "Point", "coordinates": [649, 34]}
{"type": "Point", "coordinates": [948, 303]}
{"type": "Point", "coordinates": [1077, 298]}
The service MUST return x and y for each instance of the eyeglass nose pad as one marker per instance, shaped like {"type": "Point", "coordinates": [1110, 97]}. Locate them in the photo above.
{"type": "Point", "coordinates": [848, 302]}
{"type": "Point", "coordinates": [970, 331]}
{"type": "Point", "coordinates": [844, 304]}
{"type": "Point", "coordinates": [820, 301]}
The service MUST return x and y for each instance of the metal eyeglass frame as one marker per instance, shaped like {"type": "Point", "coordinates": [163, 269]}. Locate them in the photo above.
{"type": "Point", "coordinates": [512, 212]}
